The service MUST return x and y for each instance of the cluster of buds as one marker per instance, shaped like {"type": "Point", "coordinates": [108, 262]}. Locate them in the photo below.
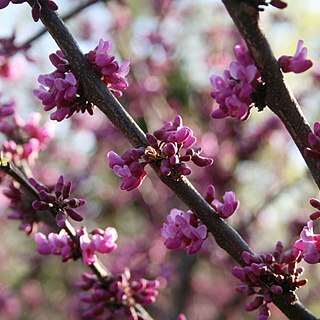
{"type": "Point", "coordinates": [233, 92]}
{"type": "Point", "coordinates": [184, 231]}
{"type": "Point", "coordinates": [226, 208]}
{"type": "Point", "coordinates": [62, 90]}
{"type": "Point", "coordinates": [298, 62]}
{"type": "Point", "coordinates": [57, 198]}
{"type": "Point", "coordinates": [82, 244]}
{"type": "Point", "coordinates": [117, 299]}
{"type": "Point", "coordinates": [314, 140]}
{"type": "Point", "coordinates": [21, 206]}
{"type": "Point", "coordinates": [170, 148]}
{"type": "Point", "coordinates": [268, 275]}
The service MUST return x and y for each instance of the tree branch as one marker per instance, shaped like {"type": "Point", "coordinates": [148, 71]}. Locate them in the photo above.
{"type": "Point", "coordinates": [278, 95]}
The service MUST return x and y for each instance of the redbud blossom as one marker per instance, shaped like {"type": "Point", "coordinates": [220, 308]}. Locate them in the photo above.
{"type": "Point", "coordinates": [170, 148]}
{"type": "Point", "coordinates": [314, 141]}
{"type": "Point", "coordinates": [128, 167]}
{"type": "Point", "coordinates": [62, 244]}
{"type": "Point", "coordinates": [233, 91]}
{"type": "Point", "coordinates": [309, 244]}
{"type": "Point", "coordinates": [57, 197]}
{"type": "Point", "coordinates": [298, 62]}
{"type": "Point", "coordinates": [226, 208]}
{"type": "Point", "coordinates": [118, 299]}
{"type": "Point", "coordinates": [183, 230]}
{"type": "Point", "coordinates": [113, 75]}
{"type": "Point", "coordinates": [268, 275]}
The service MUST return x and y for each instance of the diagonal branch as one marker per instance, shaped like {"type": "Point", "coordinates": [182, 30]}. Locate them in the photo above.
{"type": "Point", "coordinates": [278, 95]}
{"type": "Point", "coordinates": [98, 94]}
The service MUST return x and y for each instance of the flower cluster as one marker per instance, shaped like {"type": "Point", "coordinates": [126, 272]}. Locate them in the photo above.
{"type": "Point", "coordinates": [276, 3]}
{"type": "Point", "coordinates": [62, 90]}
{"type": "Point", "coordinates": [57, 197]}
{"type": "Point", "coordinates": [98, 240]}
{"type": "Point", "coordinates": [268, 275]}
{"type": "Point", "coordinates": [129, 167]}
{"type": "Point", "coordinates": [113, 75]}
{"type": "Point", "coordinates": [233, 92]}
{"type": "Point", "coordinates": [227, 208]}
{"type": "Point", "coordinates": [170, 148]}
{"type": "Point", "coordinates": [184, 230]}
{"type": "Point", "coordinates": [21, 206]}
{"type": "Point", "coordinates": [118, 299]}
{"type": "Point", "coordinates": [314, 140]}
{"type": "Point", "coordinates": [309, 244]}
{"type": "Point", "coordinates": [25, 140]}
{"type": "Point", "coordinates": [298, 62]}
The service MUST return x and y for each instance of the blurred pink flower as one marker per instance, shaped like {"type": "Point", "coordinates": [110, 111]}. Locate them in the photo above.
{"type": "Point", "coordinates": [298, 62]}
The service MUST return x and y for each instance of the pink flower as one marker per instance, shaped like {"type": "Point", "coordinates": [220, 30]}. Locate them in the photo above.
{"type": "Point", "coordinates": [309, 244]}
{"type": "Point", "coordinates": [298, 62]}
{"type": "Point", "coordinates": [183, 231]}
{"type": "Point", "coordinates": [113, 75]}
{"type": "Point", "coordinates": [88, 249]}
{"type": "Point", "coordinates": [233, 91]}
{"type": "Point", "coordinates": [56, 244]}
{"type": "Point", "coordinates": [226, 208]}
{"type": "Point", "coordinates": [104, 240]}
{"type": "Point", "coordinates": [128, 167]}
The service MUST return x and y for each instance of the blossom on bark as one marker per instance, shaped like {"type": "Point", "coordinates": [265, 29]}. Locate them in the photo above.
{"type": "Point", "coordinates": [267, 276]}
{"type": "Point", "coordinates": [298, 62]}
{"type": "Point", "coordinates": [57, 197]}
{"type": "Point", "coordinates": [62, 90]}
{"type": "Point", "coordinates": [309, 244]}
{"type": "Point", "coordinates": [183, 231]}
{"type": "Point", "coordinates": [62, 244]}
{"type": "Point", "coordinates": [226, 208]}
{"type": "Point", "coordinates": [129, 167]}
{"type": "Point", "coordinates": [171, 147]}
{"type": "Point", "coordinates": [233, 91]}
{"type": "Point", "coordinates": [111, 73]}
{"type": "Point", "coordinates": [119, 298]}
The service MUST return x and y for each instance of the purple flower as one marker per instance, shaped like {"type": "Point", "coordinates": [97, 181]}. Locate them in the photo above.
{"type": "Point", "coordinates": [267, 276]}
{"type": "Point", "coordinates": [128, 167]}
{"type": "Point", "coordinates": [21, 206]}
{"type": "Point", "coordinates": [58, 90]}
{"type": "Point", "coordinates": [171, 147]}
{"type": "Point", "coordinates": [105, 240]}
{"type": "Point", "coordinates": [118, 299]}
{"type": "Point", "coordinates": [226, 208]}
{"type": "Point", "coordinates": [298, 62]}
{"type": "Point", "coordinates": [309, 244]}
{"type": "Point", "coordinates": [57, 197]}
{"type": "Point", "coordinates": [314, 141]}
{"type": "Point", "coordinates": [233, 91]}
{"type": "Point", "coordinates": [113, 75]}
{"type": "Point", "coordinates": [88, 249]}
{"type": "Point", "coordinates": [56, 244]}
{"type": "Point", "coordinates": [183, 230]}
